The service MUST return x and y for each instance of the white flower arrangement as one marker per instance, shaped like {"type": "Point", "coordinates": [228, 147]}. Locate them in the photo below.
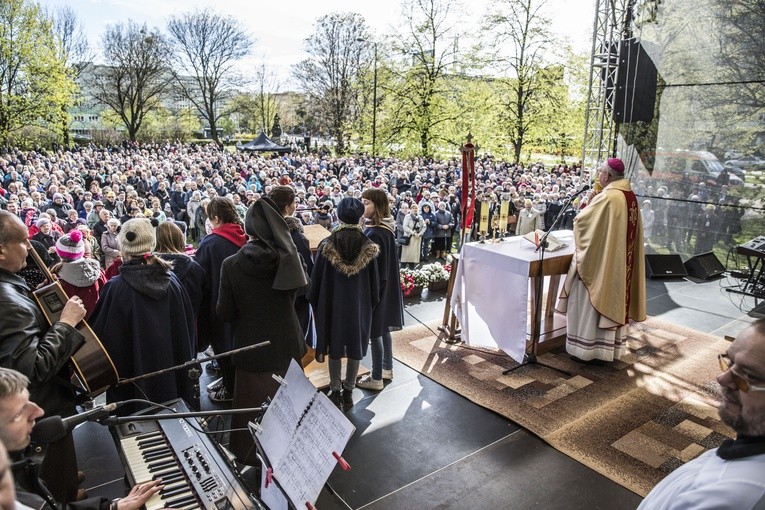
{"type": "Point", "coordinates": [436, 272]}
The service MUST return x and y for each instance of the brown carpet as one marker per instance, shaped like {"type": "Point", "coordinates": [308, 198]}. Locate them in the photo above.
{"type": "Point", "coordinates": [633, 420]}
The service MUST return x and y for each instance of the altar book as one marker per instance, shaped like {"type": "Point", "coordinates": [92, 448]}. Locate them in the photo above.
{"type": "Point", "coordinates": [553, 243]}
{"type": "Point", "coordinates": [302, 435]}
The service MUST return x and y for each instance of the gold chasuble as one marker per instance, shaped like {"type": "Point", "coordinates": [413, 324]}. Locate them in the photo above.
{"type": "Point", "coordinates": [609, 258]}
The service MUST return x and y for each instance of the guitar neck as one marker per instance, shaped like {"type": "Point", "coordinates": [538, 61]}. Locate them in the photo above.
{"type": "Point", "coordinates": [40, 263]}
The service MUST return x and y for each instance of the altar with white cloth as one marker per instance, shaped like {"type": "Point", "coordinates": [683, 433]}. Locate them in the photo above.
{"type": "Point", "coordinates": [490, 297]}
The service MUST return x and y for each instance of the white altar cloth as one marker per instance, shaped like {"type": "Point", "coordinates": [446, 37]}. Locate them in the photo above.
{"type": "Point", "coordinates": [491, 291]}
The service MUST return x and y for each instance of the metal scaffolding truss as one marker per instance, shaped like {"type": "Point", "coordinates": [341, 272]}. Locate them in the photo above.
{"type": "Point", "coordinates": [600, 128]}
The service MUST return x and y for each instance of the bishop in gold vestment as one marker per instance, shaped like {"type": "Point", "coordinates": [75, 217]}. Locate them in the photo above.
{"type": "Point", "coordinates": [605, 286]}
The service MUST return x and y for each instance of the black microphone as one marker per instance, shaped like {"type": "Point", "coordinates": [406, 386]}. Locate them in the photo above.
{"type": "Point", "coordinates": [51, 429]}
{"type": "Point", "coordinates": [582, 190]}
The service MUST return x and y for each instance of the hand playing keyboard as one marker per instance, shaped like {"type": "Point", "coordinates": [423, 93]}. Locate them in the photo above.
{"type": "Point", "coordinates": [139, 495]}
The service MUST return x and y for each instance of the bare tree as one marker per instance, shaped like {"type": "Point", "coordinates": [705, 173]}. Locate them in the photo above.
{"type": "Point", "coordinates": [427, 45]}
{"type": "Point", "coordinates": [137, 75]}
{"type": "Point", "coordinates": [265, 97]}
{"type": "Point", "coordinates": [331, 75]}
{"type": "Point", "coordinates": [75, 52]}
{"type": "Point", "coordinates": [521, 26]}
{"type": "Point", "coordinates": [207, 47]}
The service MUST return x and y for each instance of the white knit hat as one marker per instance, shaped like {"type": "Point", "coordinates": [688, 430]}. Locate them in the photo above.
{"type": "Point", "coordinates": [138, 236]}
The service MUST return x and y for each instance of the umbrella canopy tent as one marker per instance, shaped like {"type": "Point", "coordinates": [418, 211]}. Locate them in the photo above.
{"type": "Point", "coordinates": [263, 144]}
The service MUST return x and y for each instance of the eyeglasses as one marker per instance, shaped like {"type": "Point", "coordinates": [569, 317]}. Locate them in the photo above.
{"type": "Point", "coordinates": [727, 366]}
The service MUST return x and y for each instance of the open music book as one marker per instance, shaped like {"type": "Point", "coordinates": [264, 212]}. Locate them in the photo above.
{"type": "Point", "coordinates": [300, 433]}
{"type": "Point", "coordinates": [553, 243]}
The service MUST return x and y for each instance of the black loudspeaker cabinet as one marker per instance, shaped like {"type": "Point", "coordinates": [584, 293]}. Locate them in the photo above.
{"type": "Point", "coordinates": [704, 266]}
{"type": "Point", "coordinates": [664, 266]}
{"type": "Point", "coordinates": [635, 95]}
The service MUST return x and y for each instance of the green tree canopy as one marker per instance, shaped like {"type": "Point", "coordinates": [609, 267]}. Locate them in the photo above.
{"type": "Point", "coordinates": [34, 85]}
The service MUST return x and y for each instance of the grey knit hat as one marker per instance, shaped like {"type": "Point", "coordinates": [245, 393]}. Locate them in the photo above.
{"type": "Point", "coordinates": [138, 236]}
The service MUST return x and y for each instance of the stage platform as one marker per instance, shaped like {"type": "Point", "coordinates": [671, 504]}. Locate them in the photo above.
{"type": "Point", "coordinates": [419, 445]}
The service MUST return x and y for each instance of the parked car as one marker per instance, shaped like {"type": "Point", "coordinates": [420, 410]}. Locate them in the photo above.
{"type": "Point", "coordinates": [700, 166]}
{"type": "Point", "coordinates": [746, 162]}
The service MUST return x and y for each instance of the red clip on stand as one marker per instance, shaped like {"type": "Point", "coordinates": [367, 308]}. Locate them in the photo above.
{"type": "Point", "coordinates": [341, 461]}
{"type": "Point", "coordinates": [269, 476]}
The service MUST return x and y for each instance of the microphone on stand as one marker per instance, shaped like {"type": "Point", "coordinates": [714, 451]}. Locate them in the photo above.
{"type": "Point", "coordinates": [582, 190]}
{"type": "Point", "coordinates": [51, 429]}
{"type": "Point", "coordinates": [543, 241]}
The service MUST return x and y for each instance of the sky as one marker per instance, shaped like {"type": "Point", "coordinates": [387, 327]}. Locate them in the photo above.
{"type": "Point", "coordinates": [280, 28]}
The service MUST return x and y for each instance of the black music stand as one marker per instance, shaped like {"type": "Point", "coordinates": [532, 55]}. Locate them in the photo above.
{"type": "Point", "coordinates": [530, 358]}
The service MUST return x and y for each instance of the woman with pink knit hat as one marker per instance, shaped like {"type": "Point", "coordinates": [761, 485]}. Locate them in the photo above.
{"type": "Point", "coordinates": [78, 275]}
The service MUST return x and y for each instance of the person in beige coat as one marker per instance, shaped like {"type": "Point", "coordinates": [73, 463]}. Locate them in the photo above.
{"type": "Point", "coordinates": [529, 219]}
{"type": "Point", "coordinates": [414, 227]}
{"type": "Point", "coordinates": [110, 244]}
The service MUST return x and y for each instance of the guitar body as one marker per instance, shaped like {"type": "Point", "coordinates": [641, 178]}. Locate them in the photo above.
{"type": "Point", "coordinates": [93, 368]}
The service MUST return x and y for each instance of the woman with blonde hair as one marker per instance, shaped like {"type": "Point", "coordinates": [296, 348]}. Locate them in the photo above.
{"type": "Point", "coordinates": [171, 247]}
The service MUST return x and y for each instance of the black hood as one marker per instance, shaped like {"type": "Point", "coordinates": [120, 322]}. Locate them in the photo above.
{"type": "Point", "coordinates": [151, 280]}
{"type": "Point", "coordinates": [258, 260]}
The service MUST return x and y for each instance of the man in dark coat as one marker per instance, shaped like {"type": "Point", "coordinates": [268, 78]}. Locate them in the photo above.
{"type": "Point", "coordinates": [39, 351]}
{"type": "Point", "coordinates": [145, 320]}
{"type": "Point", "coordinates": [344, 291]}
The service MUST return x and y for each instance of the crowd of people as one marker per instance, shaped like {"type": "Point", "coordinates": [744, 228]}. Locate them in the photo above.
{"type": "Point", "coordinates": [206, 248]}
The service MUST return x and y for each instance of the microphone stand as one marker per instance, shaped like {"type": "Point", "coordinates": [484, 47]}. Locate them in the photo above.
{"type": "Point", "coordinates": [194, 371]}
{"type": "Point", "coordinates": [530, 358]}
{"type": "Point", "coordinates": [119, 420]}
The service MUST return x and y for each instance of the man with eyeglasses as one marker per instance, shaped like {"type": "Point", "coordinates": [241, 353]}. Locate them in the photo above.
{"type": "Point", "coordinates": [17, 419]}
{"type": "Point", "coordinates": [733, 475]}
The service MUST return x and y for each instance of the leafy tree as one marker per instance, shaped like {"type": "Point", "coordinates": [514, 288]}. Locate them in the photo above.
{"type": "Point", "coordinates": [330, 76]}
{"type": "Point", "coordinates": [137, 75]}
{"type": "Point", "coordinates": [520, 26]}
{"type": "Point", "coordinates": [34, 86]}
{"type": "Point", "coordinates": [420, 96]}
{"type": "Point", "coordinates": [207, 47]}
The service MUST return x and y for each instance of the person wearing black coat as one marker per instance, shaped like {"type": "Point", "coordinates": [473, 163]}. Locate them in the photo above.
{"type": "Point", "coordinates": [145, 321]}
{"type": "Point", "coordinates": [344, 292]}
{"type": "Point", "coordinates": [225, 240]}
{"type": "Point", "coordinates": [430, 228]}
{"type": "Point", "coordinates": [171, 247]}
{"type": "Point", "coordinates": [284, 199]}
{"type": "Point", "coordinates": [258, 287]}
{"type": "Point", "coordinates": [388, 315]}
{"type": "Point", "coordinates": [39, 351]}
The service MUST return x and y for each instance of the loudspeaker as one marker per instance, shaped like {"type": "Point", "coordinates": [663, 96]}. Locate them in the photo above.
{"type": "Point", "coordinates": [704, 266]}
{"type": "Point", "coordinates": [635, 95]}
{"type": "Point", "coordinates": [664, 266]}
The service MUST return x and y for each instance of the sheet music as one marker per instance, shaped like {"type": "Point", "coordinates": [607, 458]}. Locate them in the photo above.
{"type": "Point", "coordinates": [271, 496]}
{"type": "Point", "coordinates": [308, 462]}
{"type": "Point", "coordinates": [284, 412]}
{"type": "Point", "coordinates": [299, 433]}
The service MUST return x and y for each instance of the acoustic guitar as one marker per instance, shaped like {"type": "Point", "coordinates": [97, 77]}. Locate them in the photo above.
{"type": "Point", "coordinates": [93, 368]}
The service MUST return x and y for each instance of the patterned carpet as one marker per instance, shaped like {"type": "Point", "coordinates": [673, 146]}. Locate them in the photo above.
{"type": "Point", "coordinates": [634, 420]}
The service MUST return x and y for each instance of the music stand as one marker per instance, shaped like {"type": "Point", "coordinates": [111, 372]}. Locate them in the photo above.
{"type": "Point", "coordinates": [530, 358]}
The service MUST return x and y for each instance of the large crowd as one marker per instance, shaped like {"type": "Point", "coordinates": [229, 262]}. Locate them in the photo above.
{"type": "Point", "coordinates": [169, 250]}
{"type": "Point", "coordinates": [96, 189]}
